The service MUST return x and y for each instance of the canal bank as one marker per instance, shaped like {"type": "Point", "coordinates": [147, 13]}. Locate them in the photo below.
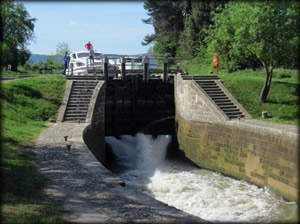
{"type": "Point", "coordinates": [89, 192]}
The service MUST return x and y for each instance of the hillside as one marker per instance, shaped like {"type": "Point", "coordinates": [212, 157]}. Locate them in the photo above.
{"type": "Point", "coordinates": [36, 58]}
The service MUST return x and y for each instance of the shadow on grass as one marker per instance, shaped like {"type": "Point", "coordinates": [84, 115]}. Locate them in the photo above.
{"type": "Point", "coordinates": [291, 86]}
{"type": "Point", "coordinates": [289, 118]}
{"type": "Point", "coordinates": [289, 102]}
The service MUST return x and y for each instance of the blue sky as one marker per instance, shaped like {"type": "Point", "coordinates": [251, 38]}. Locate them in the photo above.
{"type": "Point", "coordinates": [112, 27]}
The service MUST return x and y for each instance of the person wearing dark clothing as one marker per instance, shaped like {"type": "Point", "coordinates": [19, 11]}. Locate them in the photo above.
{"type": "Point", "coordinates": [92, 56]}
{"type": "Point", "coordinates": [65, 60]}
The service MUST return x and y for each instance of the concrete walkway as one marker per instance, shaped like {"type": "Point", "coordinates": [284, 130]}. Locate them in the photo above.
{"type": "Point", "coordinates": [89, 192]}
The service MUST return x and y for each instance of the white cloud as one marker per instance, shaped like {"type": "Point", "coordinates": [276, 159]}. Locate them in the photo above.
{"type": "Point", "coordinates": [77, 24]}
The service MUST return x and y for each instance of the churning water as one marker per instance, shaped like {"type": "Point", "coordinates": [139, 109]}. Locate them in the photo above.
{"type": "Point", "coordinates": [200, 192]}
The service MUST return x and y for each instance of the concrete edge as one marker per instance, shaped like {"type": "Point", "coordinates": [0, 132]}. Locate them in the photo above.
{"type": "Point", "coordinates": [233, 99]}
{"type": "Point", "coordinates": [93, 101]}
{"type": "Point", "coordinates": [63, 107]}
{"type": "Point", "coordinates": [256, 127]}
{"type": "Point", "coordinates": [108, 176]}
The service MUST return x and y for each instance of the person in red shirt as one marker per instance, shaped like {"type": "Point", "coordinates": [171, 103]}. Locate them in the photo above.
{"type": "Point", "coordinates": [216, 62]}
{"type": "Point", "coordinates": [89, 46]}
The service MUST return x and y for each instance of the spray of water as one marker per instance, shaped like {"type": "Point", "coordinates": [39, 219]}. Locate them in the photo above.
{"type": "Point", "coordinates": [200, 192]}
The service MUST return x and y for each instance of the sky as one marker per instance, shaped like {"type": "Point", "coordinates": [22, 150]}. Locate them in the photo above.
{"type": "Point", "coordinates": [112, 27]}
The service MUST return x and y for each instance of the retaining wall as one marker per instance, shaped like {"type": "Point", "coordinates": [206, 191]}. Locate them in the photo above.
{"type": "Point", "coordinates": [262, 153]}
{"type": "Point", "coordinates": [94, 133]}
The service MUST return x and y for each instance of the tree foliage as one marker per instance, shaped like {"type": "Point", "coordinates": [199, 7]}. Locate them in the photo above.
{"type": "Point", "coordinates": [167, 20]}
{"type": "Point", "coordinates": [267, 31]}
{"type": "Point", "coordinates": [61, 48]}
{"type": "Point", "coordinates": [17, 30]}
{"type": "Point", "coordinates": [198, 17]}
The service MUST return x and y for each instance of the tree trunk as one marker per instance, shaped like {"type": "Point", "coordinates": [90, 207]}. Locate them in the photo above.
{"type": "Point", "coordinates": [267, 85]}
{"type": "Point", "coordinates": [14, 67]}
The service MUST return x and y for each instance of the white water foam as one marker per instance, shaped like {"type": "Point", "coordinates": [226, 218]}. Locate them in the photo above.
{"type": "Point", "coordinates": [200, 192]}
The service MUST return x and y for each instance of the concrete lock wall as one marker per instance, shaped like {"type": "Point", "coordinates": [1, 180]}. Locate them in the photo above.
{"type": "Point", "coordinates": [94, 133]}
{"type": "Point", "coordinates": [262, 153]}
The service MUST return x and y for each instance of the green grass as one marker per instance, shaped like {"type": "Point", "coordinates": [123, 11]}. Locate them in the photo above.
{"type": "Point", "coordinates": [283, 99]}
{"type": "Point", "coordinates": [26, 105]}
{"type": "Point", "coordinates": [21, 71]}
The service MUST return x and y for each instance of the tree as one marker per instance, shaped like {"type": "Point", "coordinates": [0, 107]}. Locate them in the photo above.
{"type": "Point", "coordinates": [167, 20]}
{"type": "Point", "coordinates": [267, 31]}
{"type": "Point", "coordinates": [17, 30]}
{"type": "Point", "coordinates": [197, 19]}
{"type": "Point", "coordinates": [61, 48]}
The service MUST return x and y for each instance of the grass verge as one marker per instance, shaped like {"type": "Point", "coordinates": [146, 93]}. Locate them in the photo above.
{"type": "Point", "coordinates": [283, 100]}
{"type": "Point", "coordinates": [26, 105]}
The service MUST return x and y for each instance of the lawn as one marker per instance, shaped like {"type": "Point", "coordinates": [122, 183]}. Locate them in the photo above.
{"type": "Point", "coordinates": [26, 105]}
{"type": "Point", "coordinates": [246, 85]}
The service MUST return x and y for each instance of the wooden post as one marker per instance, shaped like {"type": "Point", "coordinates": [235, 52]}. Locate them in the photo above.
{"type": "Point", "coordinates": [123, 68]}
{"type": "Point", "coordinates": [165, 69]}
{"type": "Point", "coordinates": [146, 69]}
{"type": "Point", "coordinates": [105, 69]}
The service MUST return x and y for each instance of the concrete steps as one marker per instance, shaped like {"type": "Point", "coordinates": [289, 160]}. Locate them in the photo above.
{"type": "Point", "coordinates": [79, 100]}
{"type": "Point", "coordinates": [210, 87]}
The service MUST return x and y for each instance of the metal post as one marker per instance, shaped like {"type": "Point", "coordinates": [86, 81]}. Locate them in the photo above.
{"type": "Point", "coordinates": [146, 69]}
{"type": "Point", "coordinates": [105, 69]}
{"type": "Point", "coordinates": [123, 68]}
{"type": "Point", "coordinates": [165, 69]}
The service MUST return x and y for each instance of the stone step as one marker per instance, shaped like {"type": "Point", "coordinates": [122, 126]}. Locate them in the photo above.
{"type": "Point", "coordinates": [227, 103]}
{"type": "Point", "coordinates": [77, 88]}
{"type": "Point", "coordinates": [74, 120]}
{"type": "Point", "coordinates": [83, 93]}
{"type": "Point", "coordinates": [79, 112]}
{"type": "Point", "coordinates": [80, 97]}
{"type": "Point", "coordinates": [78, 105]}
{"type": "Point", "coordinates": [217, 95]}
{"type": "Point", "coordinates": [212, 91]}
{"type": "Point", "coordinates": [206, 82]}
{"type": "Point", "coordinates": [76, 115]}
{"type": "Point", "coordinates": [236, 116]}
{"type": "Point", "coordinates": [82, 90]}
{"type": "Point", "coordinates": [233, 113]}
{"type": "Point", "coordinates": [209, 87]}
{"type": "Point", "coordinates": [230, 110]}
{"type": "Point", "coordinates": [205, 77]}
{"type": "Point", "coordinates": [89, 82]}
{"type": "Point", "coordinates": [77, 109]}
{"type": "Point", "coordinates": [83, 86]}
{"type": "Point", "coordinates": [227, 106]}
{"type": "Point", "coordinates": [223, 101]}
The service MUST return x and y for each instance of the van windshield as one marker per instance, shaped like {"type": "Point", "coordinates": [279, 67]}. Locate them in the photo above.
{"type": "Point", "coordinates": [83, 55]}
{"type": "Point", "coordinates": [86, 55]}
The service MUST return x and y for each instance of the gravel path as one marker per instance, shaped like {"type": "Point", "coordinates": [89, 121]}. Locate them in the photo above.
{"type": "Point", "coordinates": [89, 192]}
